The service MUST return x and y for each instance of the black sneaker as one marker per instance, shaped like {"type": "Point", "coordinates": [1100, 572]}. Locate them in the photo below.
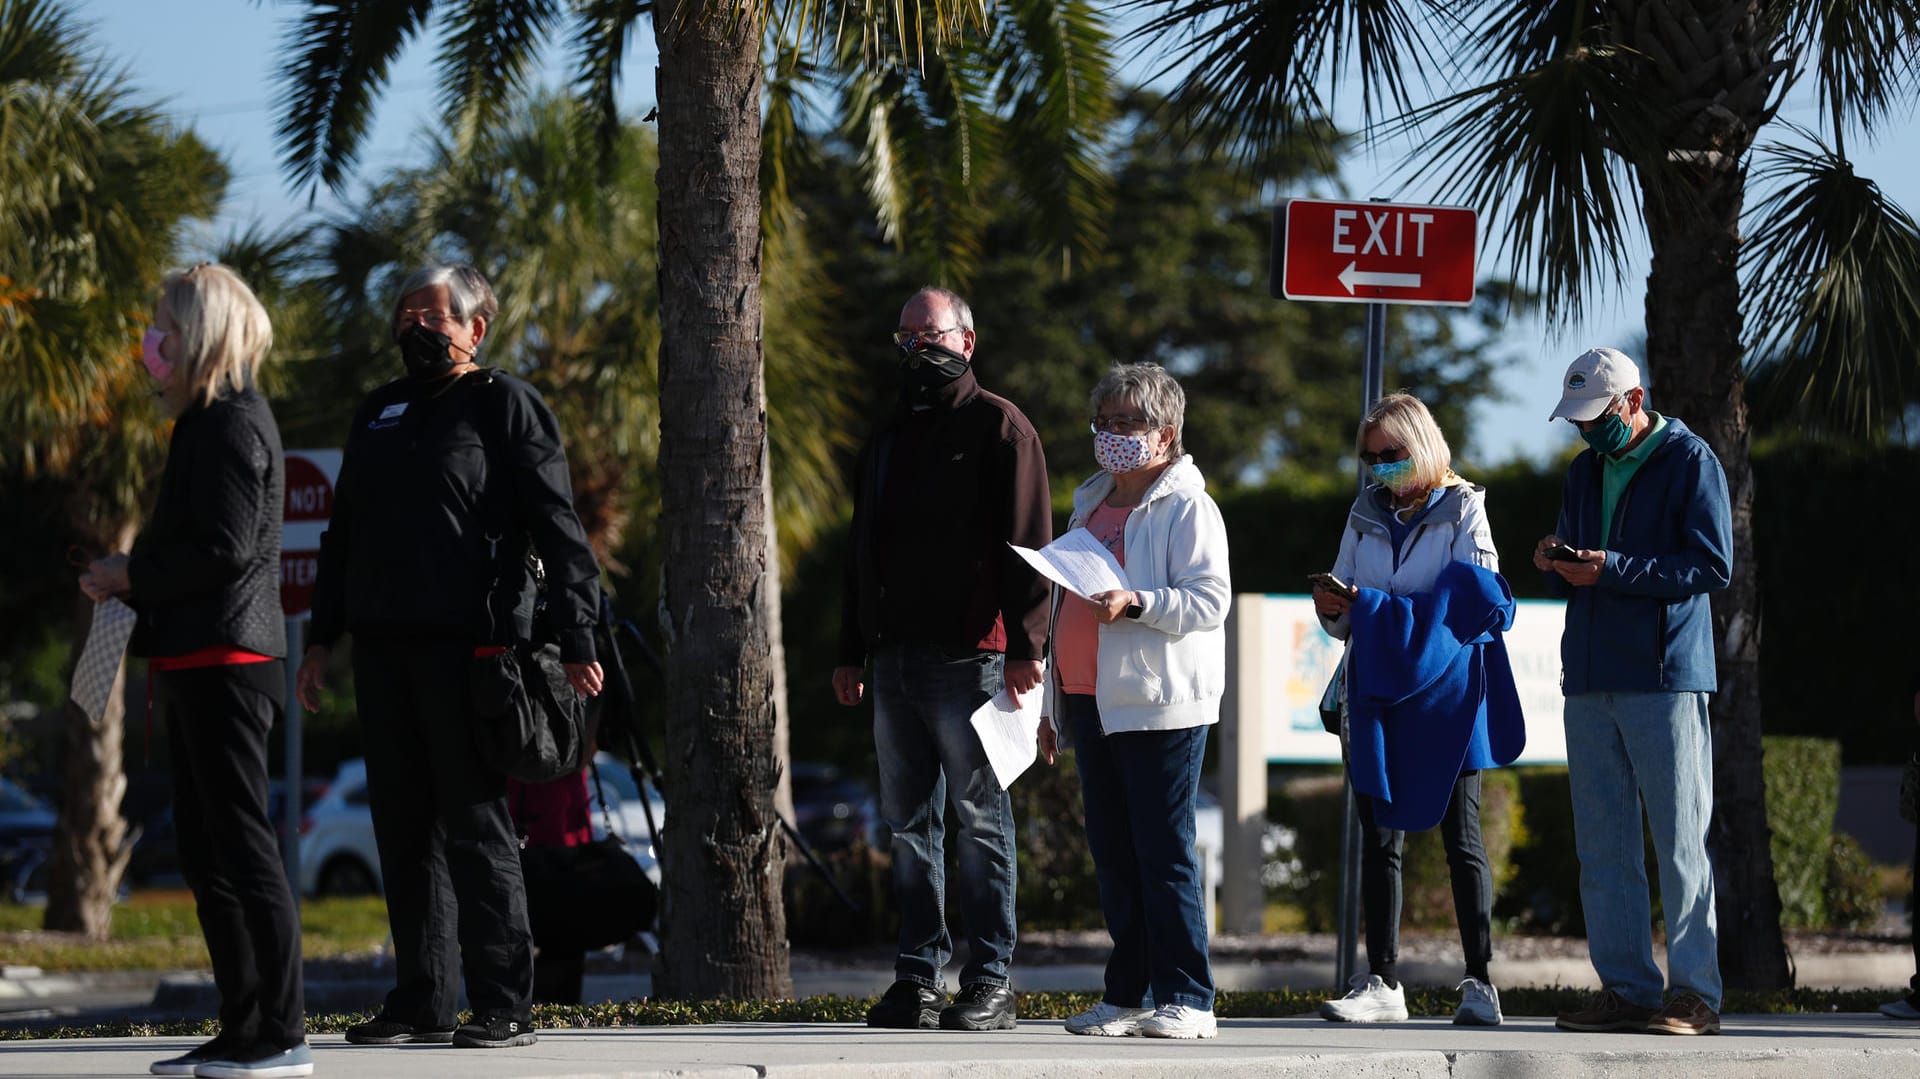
{"type": "Point", "coordinates": [980, 1006]}
{"type": "Point", "coordinates": [495, 1032]}
{"type": "Point", "coordinates": [187, 1061]}
{"type": "Point", "coordinates": [383, 1031]}
{"type": "Point", "coordinates": [907, 1006]}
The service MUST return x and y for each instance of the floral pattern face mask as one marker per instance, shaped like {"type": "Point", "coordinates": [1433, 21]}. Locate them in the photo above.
{"type": "Point", "coordinates": [1122, 453]}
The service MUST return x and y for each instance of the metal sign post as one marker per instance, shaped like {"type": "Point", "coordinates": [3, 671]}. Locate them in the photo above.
{"type": "Point", "coordinates": [1374, 253]}
{"type": "Point", "coordinates": [310, 478]}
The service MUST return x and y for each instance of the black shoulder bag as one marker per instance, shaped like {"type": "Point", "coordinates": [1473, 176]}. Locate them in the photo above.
{"type": "Point", "coordinates": [588, 896]}
{"type": "Point", "coordinates": [530, 722]}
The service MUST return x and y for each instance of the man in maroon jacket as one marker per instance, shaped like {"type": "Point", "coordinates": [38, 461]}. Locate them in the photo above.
{"type": "Point", "coordinates": [946, 612]}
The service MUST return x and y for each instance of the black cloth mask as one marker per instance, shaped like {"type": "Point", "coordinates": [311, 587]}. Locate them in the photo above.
{"type": "Point", "coordinates": [930, 368]}
{"type": "Point", "coordinates": [428, 354]}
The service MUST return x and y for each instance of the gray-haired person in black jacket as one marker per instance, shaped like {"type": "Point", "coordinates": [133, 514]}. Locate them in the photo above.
{"type": "Point", "coordinates": [204, 578]}
{"type": "Point", "coordinates": [451, 475]}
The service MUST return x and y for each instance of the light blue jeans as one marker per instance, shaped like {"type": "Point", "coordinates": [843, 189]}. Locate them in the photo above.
{"type": "Point", "coordinates": [1624, 749]}
{"type": "Point", "coordinates": [923, 698]}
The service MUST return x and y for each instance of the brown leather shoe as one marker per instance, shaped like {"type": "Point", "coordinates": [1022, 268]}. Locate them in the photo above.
{"type": "Point", "coordinates": [1685, 1014]}
{"type": "Point", "coordinates": [1605, 1013]}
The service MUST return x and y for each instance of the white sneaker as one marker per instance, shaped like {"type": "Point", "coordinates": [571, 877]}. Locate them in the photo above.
{"type": "Point", "coordinates": [1179, 1021]}
{"type": "Point", "coordinates": [1902, 1008]}
{"type": "Point", "coordinates": [1369, 1001]}
{"type": "Point", "coordinates": [1479, 1004]}
{"type": "Point", "coordinates": [1105, 1020]}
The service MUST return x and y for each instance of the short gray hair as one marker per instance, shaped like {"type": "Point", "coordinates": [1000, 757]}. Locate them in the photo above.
{"type": "Point", "coordinates": [1152, 391]}
{"type": "Point", "coordinates": [962, 314]}
{"type": "Point", "coordinates": [467, 290]}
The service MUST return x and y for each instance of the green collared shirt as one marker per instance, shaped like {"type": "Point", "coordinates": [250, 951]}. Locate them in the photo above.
{"type": "Point", "coordinates": [1615, 472]}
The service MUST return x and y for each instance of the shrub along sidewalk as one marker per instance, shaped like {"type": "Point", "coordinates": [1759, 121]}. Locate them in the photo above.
{"type": "Point", "coordinates": [1034, 1007]}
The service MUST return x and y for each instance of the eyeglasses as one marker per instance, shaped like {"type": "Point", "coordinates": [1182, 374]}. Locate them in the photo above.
{"type": "Point", "coordinates": [1384, 457]}
{"type": "Point", "coordinates": [425, 316]}
{"type": "Point", "coordinates": [1613, 404]}
{"type": "Point", "coordinates": [908, 337]}
{"type": "Point", "coordinates": [1120, 425]}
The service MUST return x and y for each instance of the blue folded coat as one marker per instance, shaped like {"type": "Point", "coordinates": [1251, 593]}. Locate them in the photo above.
{"type": "Point", "coordinates": [1430, 693]}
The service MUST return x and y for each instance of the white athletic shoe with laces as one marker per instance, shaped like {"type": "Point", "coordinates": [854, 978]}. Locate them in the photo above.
{"type": "Point", "coordinates": [1369, 1001]}
{"type": "Point", "coordinates": [1479, 1004]}
{"type": "Point", "coordinates": [1105, 1020]}
{"type": "Point", "coordinates": [1179, 1021]}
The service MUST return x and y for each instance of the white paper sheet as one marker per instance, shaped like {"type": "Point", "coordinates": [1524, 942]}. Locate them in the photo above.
{"type": "Point", "coordinates": [1077, 562]}
{"type": "Point", "coordinates": [1008, 734]}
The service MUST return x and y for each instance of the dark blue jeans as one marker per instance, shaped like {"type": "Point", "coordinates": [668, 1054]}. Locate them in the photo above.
{"type": "Point", "coordinates": [1138, 788]}
{"type": "Point", "coordinates": [929, 755]}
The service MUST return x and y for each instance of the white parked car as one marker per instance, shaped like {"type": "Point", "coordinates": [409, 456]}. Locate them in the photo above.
{"type": "Point", "coordinates": [338, 855]}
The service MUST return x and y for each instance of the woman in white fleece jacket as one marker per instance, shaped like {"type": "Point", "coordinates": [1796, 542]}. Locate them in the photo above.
{"type": "Point", "coordinates": [1137, 679]}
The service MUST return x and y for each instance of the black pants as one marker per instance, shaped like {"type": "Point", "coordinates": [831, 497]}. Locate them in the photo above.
{"type": "Point", "coordinates": [1913, 917]}
{"type": "Point", "coordinates": [217, 722]}
{"type": "Point", "coordinates": [1472, 880]}
{"type": "Point", "coordinates": [448, 850]}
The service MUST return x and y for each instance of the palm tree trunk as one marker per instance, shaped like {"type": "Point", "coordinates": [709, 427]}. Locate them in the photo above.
{"type": "Point", "coordinates": [90, 847]}
{"type": "Point", "coordinates": [722, 919]}
{"type": "Point", "coordinates": [1694, 357]}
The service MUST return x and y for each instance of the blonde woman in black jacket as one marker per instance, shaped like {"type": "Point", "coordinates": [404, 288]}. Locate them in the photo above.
{"type": "Point", "coordinates": [204, 578]}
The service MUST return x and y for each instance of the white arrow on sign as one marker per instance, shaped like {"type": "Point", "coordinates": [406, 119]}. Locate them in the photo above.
{"type": "Point", "coordinates": [1351, 277]}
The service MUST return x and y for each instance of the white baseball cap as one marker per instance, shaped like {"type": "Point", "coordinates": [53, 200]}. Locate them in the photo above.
{"type": "Point", "coordinates": [1594, 378]}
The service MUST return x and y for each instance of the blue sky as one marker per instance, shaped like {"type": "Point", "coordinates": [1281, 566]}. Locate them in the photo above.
{"type": "Point", "coordinates": [214, 65]}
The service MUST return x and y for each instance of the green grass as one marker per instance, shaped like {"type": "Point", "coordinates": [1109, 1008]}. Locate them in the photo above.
{"type": "Point", "coordinates": [159, 931]}
{"type": "Point", "coordinates": [1036, 1007]}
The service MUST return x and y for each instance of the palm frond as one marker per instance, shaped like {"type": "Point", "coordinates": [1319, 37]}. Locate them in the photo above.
{"type": "Point", "coordinates": [785, 146]}
{"type": "Point", "coordinates": [1833, 295]}
{"type": "Point", "coordinates": [602, 29]}
{"type": "Point", "coordinates": [485, 54]}
{"type": "Point", "coordinates": [1864, 55]}
{"type": "Point", "coordinates": [1550, 154]}
{"type": "Point", "coordinates": [1055, 63]}
{"type": "Point", "coordinates": [336, 59]}
{"type": "Point", "coordinates": [1253, 68]}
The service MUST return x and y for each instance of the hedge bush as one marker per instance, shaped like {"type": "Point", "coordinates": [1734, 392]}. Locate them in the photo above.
{"type": "Point", "coordinates": [1312, 807]}
{"type": "Point", "coordinates": [1802, 778]}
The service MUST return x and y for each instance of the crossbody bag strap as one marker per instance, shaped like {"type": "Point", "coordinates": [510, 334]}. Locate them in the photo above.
{"type": "Point", "coordinates": [606, 813]}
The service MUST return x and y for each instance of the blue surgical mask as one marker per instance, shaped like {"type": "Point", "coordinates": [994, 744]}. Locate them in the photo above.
{"type": "Point", "coordinates": [1395, 476]}
{"type": "Point", "coordinates": [1609, 436]}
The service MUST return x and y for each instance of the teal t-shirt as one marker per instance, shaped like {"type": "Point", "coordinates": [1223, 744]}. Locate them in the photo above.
{"type": "Point", "coordinates": [1616, 471]}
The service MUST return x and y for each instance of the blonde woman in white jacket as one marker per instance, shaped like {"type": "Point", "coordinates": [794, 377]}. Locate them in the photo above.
{"type": "Point", "coordinates": [1137, 679]}
{"type": "Point", "coordinates": [1410, 522]}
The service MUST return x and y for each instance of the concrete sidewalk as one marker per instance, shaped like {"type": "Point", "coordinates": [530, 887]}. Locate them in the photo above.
{"type": "Point", "coordinates": [1753, 1047]}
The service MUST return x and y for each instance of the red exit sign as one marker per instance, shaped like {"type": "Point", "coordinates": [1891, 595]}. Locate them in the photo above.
{"type": "Point", "coordinates": [1375, 252]}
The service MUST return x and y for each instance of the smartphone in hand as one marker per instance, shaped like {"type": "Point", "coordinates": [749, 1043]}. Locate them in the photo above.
{"type": "Point", "coordinates": [1330, 583]}
{"type": "Point", "coordinates": [1560, 552]}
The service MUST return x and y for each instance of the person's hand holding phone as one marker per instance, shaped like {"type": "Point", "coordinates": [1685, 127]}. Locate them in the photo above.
{"type": "Point", "coordinates": [1332, 597]}
{"type": "Point", "coordinates": [1578, 567]}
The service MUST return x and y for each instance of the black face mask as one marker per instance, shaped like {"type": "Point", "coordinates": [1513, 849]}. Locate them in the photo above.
{"type": "Point", "coordinates": [930, 368]}
{"type": "Point", "coordinates": [426, 353]}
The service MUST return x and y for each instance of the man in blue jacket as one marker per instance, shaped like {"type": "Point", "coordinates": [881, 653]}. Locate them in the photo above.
{"type": "Point", "coordinates": [1644, 535]}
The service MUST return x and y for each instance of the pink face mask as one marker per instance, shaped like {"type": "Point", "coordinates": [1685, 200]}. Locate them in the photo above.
{"type": "Point", "coordinates": [157, 365]}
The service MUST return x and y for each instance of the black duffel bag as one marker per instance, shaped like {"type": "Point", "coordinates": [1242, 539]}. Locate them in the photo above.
{"type": "Point", "coordinates": [586, 897]}
{"type": "Point", "coordinates": [531, 723]}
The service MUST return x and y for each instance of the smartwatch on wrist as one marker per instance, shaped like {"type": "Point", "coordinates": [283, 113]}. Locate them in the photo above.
{"type": "Point", "coordinates": [1133, 610]}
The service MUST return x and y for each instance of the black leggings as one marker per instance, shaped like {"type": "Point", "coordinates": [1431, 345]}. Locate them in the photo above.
{"type": "Point", "coordinates": [217, 722]}
{"type": "Point", "coordinates": [1380, 890]}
